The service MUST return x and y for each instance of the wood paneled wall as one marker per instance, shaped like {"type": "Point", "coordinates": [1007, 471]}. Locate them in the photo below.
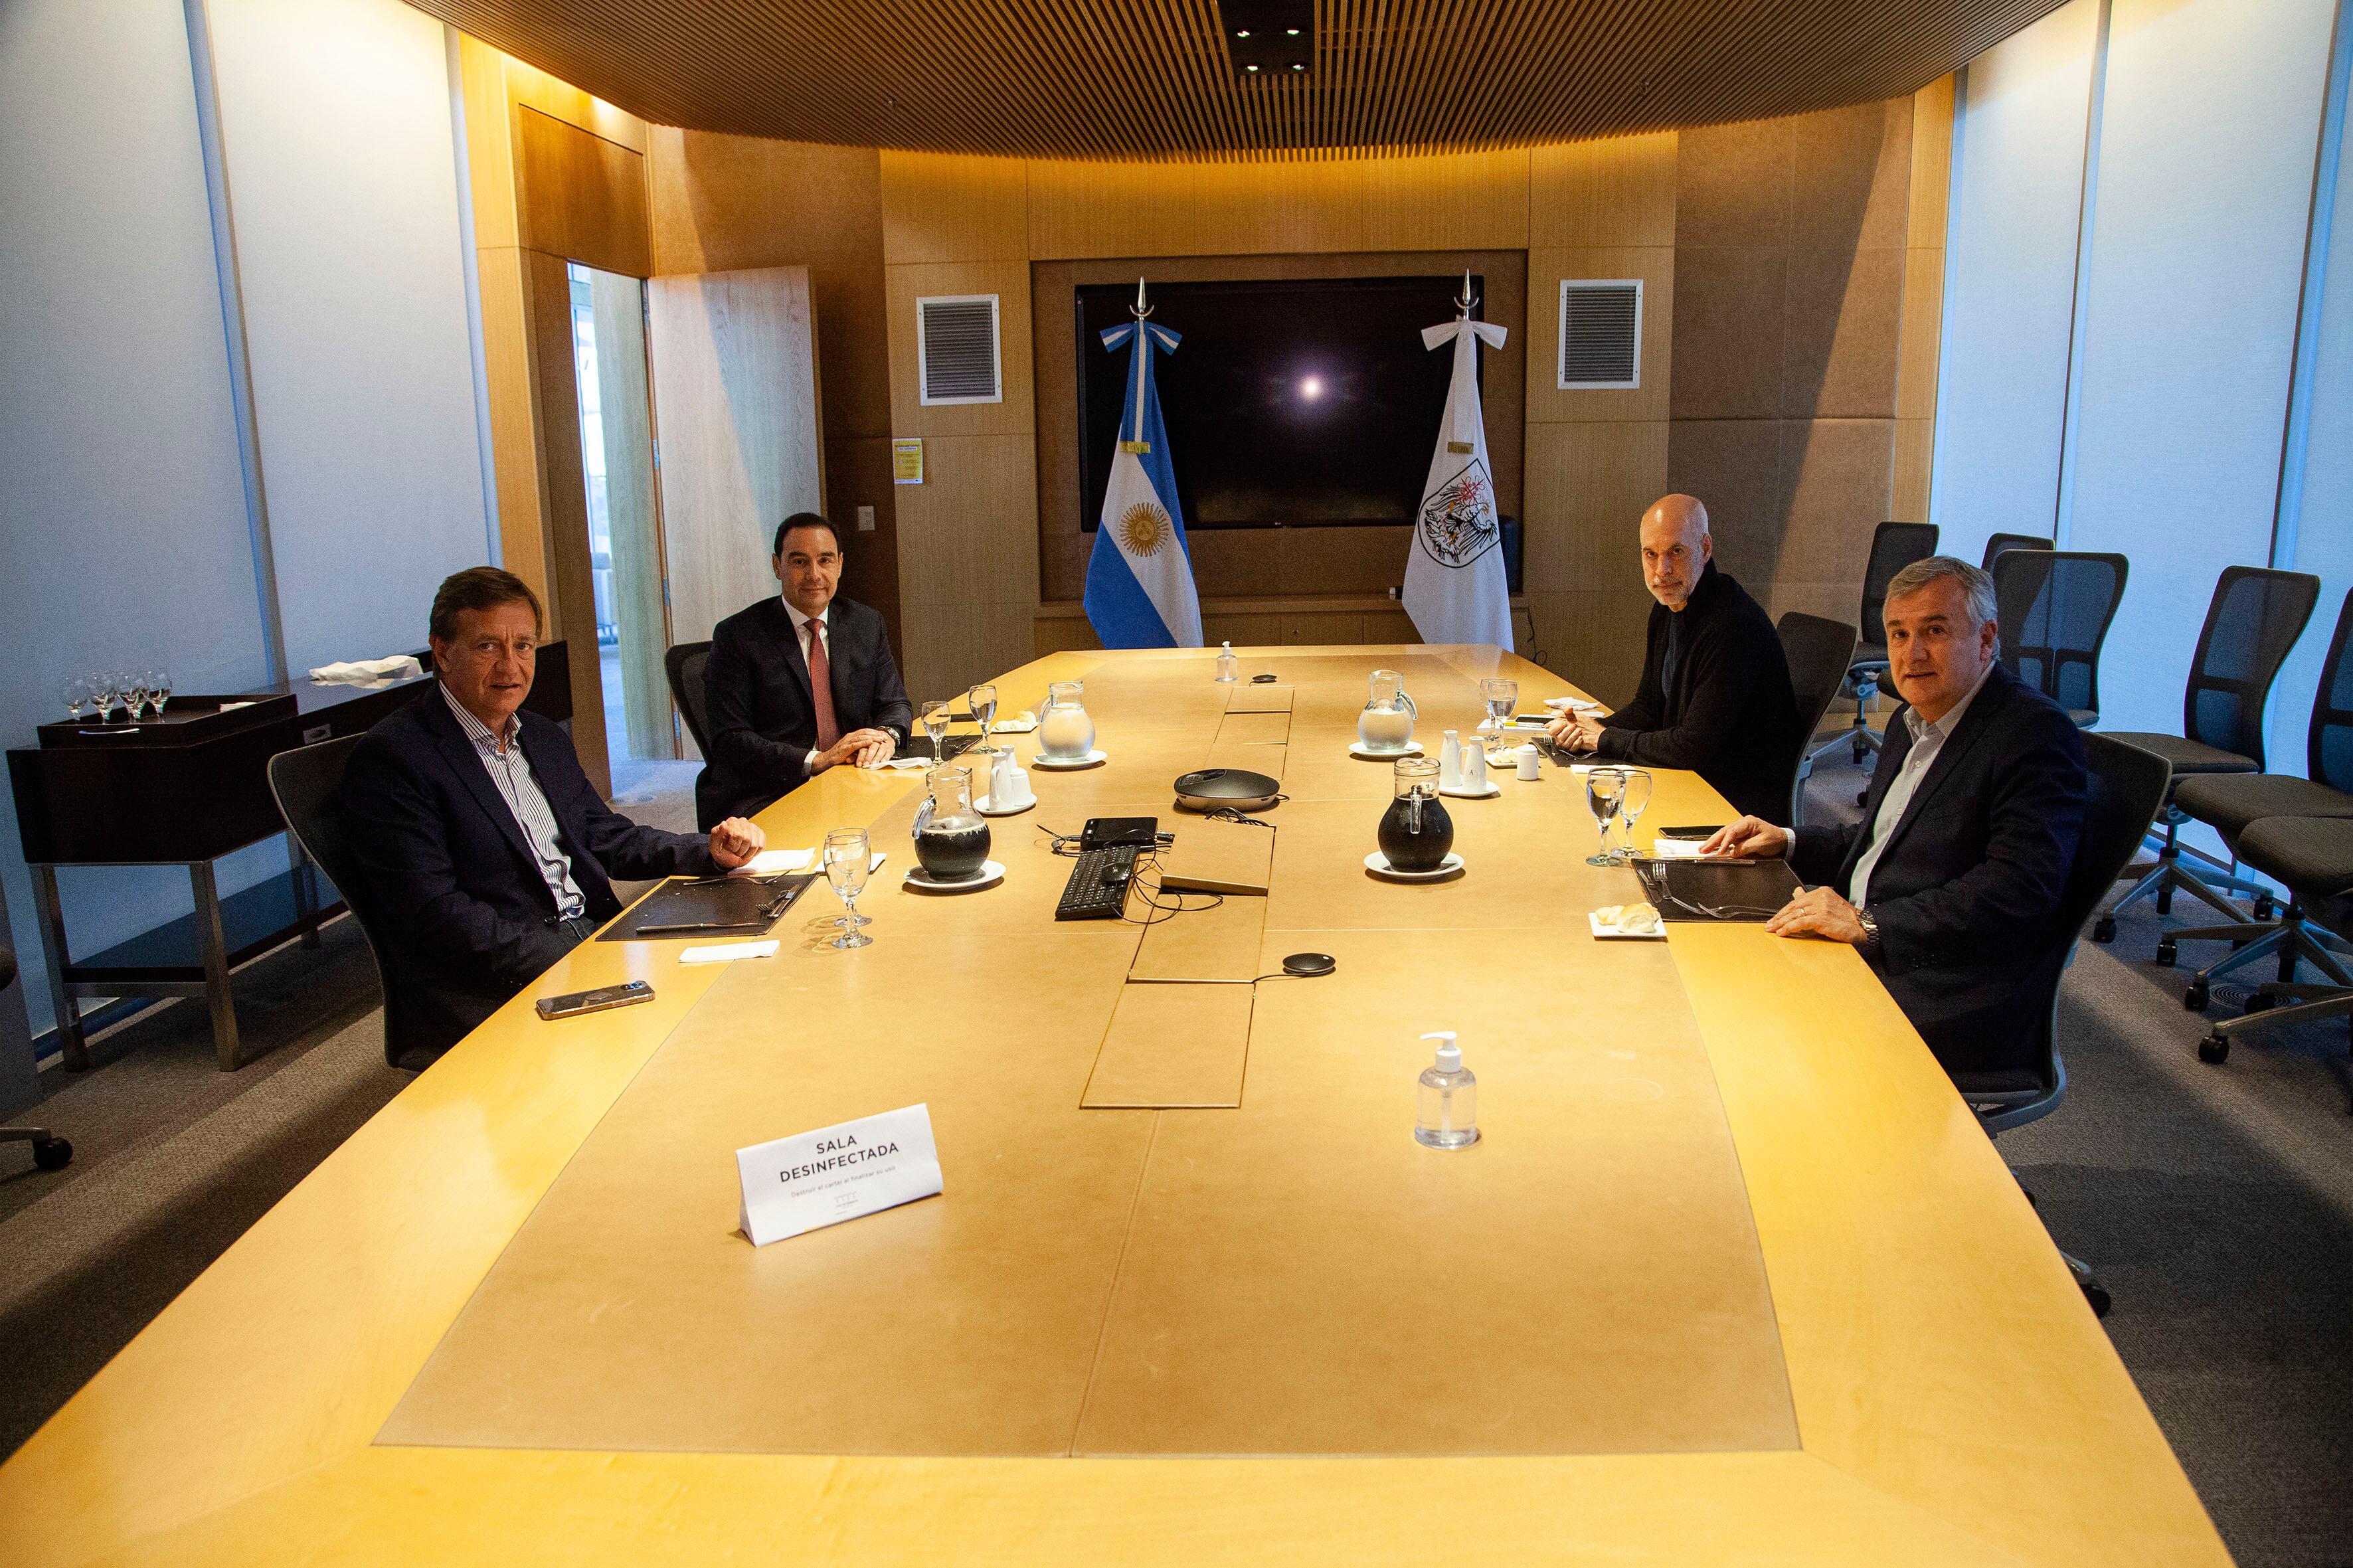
{"type": "Point", "coordinates": [557, 175]}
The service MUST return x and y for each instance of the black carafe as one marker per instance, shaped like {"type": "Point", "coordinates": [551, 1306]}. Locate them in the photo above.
{"type": "Point", "coordinates": [1416, 834]}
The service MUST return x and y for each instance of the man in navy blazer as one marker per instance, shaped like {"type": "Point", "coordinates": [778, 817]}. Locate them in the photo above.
{"type": "Point", "coordinates": [1950, 884]}
{"type": "Point", "coordinates": [485, 849]}
{"type": "Point", "coordinates": [771, 729]}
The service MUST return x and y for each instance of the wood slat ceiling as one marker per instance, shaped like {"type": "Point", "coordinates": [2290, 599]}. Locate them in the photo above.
{"type": "Point", "coordinates": [1150, 79]}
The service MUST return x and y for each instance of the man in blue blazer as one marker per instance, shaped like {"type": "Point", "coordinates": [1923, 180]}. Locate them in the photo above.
{"type": "Point", "coordinates": [1950, 884]}
{"type": "Point", "coordinates": [770, 727]}
{"type": "Point", "coordinates": [485, 848]}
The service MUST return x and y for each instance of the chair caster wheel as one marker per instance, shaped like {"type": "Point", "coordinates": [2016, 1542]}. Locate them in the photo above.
{"type": "Point", "coordinates": [2196, 997]}
{"type": "Point", "coordinates": [2264, 909]}
{"type": "Point", "coordinates": [51, 1153]}
{"type": "Point", "coordinates": [2261, 1001]}
{"type": "Point", "coordinates": [2214, 1049]}
{"type": "Point", "coordinates": [2104, 929]}
{"type": "Point", "coordinates": [2097, 1294]}
{"type": "Point", "coordinates": [1862, 797]}
{"type": "Point", "coordinates": [2166, 952]}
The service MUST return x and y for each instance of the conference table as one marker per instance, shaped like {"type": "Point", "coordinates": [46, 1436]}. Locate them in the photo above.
{"type": "Point", "coordinates": [1732, 1274]}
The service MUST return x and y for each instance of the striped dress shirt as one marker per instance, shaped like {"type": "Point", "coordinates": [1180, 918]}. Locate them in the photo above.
{"type": "Point", "coordinates": [510, 770]}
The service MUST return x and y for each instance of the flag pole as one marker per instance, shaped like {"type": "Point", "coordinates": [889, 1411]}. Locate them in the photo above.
{"type": "Point", "coordinates": [1463, 301]}
{"type": "Point", "coordinates": [1141, 311]}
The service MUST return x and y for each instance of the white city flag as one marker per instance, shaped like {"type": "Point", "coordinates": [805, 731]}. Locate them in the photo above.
{"type": "Point", "coordinates": [1455, 589]}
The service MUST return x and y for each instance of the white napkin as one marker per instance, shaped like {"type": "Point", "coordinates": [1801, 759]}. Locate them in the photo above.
{"type": "Point", "coordinates": [727, 951]}
{"type": "Point", "coordinates": [1022, 723]}
{"type": "Point", "coordinates": [1675, 848]}
{"type": "Point", "coordinates": [905, 764]}
{"type": "Point", "coordinates": [398, 666]}
{"type": "Point", "coordinates": [1574, 704]}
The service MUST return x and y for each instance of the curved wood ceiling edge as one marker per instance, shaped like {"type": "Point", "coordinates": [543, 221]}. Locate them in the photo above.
{"type": "Point", "coordinates": [1150, 79]}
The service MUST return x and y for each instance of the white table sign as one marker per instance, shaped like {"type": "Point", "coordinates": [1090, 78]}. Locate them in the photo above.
{"type": "Point", "coordinates": [816, 1178]}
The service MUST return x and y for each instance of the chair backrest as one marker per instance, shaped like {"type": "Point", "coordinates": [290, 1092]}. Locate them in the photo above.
{"type": "Point", "coordinates": [1997, 543]}
{"type": "Point", "coordinates": [2329, 755]}
{"type": "Point", "coordinates": [684, 665]}
{"type": "Point", "coordinates": [2126, 785]}
{"type": "Point", "coordinates": [2054, 609]}
{"type": "Point", "coordinates": [1819, 652]}
{"type": "Point", "coordinates": [1893, 546]}
{"type": "Point", "coordinates": [2254, 621]}
{"type": "Point", "coordinates": [308, 784]}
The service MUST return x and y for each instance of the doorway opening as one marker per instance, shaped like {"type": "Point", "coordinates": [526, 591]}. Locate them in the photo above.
{"type": "Point", "coordinates": [608, 342]}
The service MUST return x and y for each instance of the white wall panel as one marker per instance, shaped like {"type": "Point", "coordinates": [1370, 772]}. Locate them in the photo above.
{"type": "Point", "coordinates": [121, 507]}
{"type": "Point", "coordinates": [2208, 131]}
{"type": "Point", "coordinates": [2010, 281]}
{"type": "Point", "coordinates": [335, 120]}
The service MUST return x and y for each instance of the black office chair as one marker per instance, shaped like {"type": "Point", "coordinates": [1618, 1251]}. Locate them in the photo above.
{"type": "Point", "coordinates": [1820, 652]}
{"type": "Point", "coordinates": [2232, 803]}
{"type": "Point", "coordinates": [51, 1153]}
{"type": "Point", "coordinates": [2054, 607]}
{"type": "Point", "coordinates": [308, 785]}
{"type": "Point", "coordinates": [2127, 785]}
{"type": "Point", "coordinates": [2312, 857]}
{"type": "Point", "coordinates": [2255, 618]}
{"type": "Point", "coordinates": [1997, 543]}
{"type": "Point", "coordinates": [1893, 546]}
{"type": "Point", "coordinates": [684, 664]}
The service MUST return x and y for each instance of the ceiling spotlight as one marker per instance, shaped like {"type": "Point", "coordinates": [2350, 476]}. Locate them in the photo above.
{"type": "Point", "coordinates": [1244, 32]}
{"type": "Point", "coordinates": [1249, 67]}
{"type": "Point", "coordinates": [1291, 31]}
{"type": "Point", "coordinates": [1297, 66]}
{"type": "Point", "coordinates": [1312, 388]}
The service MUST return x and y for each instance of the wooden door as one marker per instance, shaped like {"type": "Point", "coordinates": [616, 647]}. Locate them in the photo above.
{"type": "Point", "coordinates": [735, 414]}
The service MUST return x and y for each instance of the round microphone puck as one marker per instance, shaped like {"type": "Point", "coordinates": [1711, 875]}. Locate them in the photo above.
{"type": "Point", "coordinates": [1306, 964]}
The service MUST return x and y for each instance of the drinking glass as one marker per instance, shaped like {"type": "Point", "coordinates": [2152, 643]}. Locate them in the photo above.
{"type": "Point", "coordinates": [1630, 801]}
{"type": "Point", "coordinates": [74, 692]}
{"type": "Point", "coordinates": [134, 694]}
{"type": "Point", "coordinates": [1500, 696]}
{"type": "Point", "coordinates": [935, 725]}
{"type": "Point", "coordinates": [982, 699]}
{"type": "Point", "coordinates": [1603, 789]}
{"type": "Point", "coordinates": [103, 688]}
{"type": "Point", "coordinates": [159, 688]}
{"type": "Point", "coordinates": [848, 858]}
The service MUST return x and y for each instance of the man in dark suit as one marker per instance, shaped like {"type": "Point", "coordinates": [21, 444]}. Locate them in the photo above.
{"type": "Point", "coordinates": [1950, 884]}
{"type": "Point", "coordinates": [772, 728]}
{"type": "Point", "coordinates": [485, 847]}
{"type": "Point", "coordinates": [1714, 696]}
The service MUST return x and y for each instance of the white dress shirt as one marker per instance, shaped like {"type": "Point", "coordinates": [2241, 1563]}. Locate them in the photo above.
{"type": "Point", "coordinates": [510, 770]}
{"type": "Point", "coordinates": [824, 622]}
{"type": "Point", "coordinates": [1927, 743]}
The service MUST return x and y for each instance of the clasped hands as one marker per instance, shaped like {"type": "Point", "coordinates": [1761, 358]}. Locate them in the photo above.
{"type": "Point", "coordinates": [863, 748]}
{"type": "Point", "coordinates": [1576, 732]}
{"type": "Point", "coordinates": [1814, 911]}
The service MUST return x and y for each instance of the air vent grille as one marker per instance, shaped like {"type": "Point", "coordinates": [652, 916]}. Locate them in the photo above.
{"type": "Point", "coordinates": [957, 349]}
{"type": "Point", "coordinates": [1601, 333]}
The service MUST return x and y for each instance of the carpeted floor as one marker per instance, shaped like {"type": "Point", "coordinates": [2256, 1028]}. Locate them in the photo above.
{"type": "Point", "coordinates": [2216, 1202]}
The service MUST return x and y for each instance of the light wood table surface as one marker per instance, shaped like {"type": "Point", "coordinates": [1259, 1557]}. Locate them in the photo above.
{"type": "Point", "coordinates": [1733, 1277]}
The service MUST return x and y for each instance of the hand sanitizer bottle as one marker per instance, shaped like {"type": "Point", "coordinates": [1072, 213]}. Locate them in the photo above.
{"type": "Point", "coordinates": [1229, 666]}
{"type": "Point", "coordinates": [1448, 1115]}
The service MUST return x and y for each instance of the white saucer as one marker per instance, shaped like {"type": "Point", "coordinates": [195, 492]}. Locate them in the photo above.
{"type": "Point", "coordinates": [1490, 793]}
{"type": "Point", "coordinates": [1093, 759]}
{"type": "Point", "coordinates": [987, 805]}
{"type": "Point", "coordinates": [1378, 865]}
{"type": "Point", "coordinates": [920, 880]}
{"type": "Point", "coordinates": [1411, 749]}
{"type": "Point", "coordinates": [1611, 934]}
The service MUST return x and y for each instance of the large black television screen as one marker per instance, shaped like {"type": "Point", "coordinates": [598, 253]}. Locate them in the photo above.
{"type": "Point", "coordinates": [1297, 401]}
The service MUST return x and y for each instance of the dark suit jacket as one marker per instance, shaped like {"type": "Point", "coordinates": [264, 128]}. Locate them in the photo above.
{"type": "Point", "coordinates": [757, 708]}
{"type": "Point", "coordinates": [451, 878]}
{"type": "Point", "coordinates": [1728, 714]}
{"type": "Point", "coordinates": [1967, 894]}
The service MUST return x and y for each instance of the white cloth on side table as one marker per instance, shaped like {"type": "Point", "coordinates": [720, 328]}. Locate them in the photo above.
{"type": "Point", "coordinates": [398, 666]}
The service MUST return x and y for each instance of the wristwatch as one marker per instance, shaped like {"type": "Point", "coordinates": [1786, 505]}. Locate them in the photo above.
{"type": "Point", "coordinates": [1869, 945]}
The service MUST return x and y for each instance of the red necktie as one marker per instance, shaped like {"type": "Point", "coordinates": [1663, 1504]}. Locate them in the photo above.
{"type": "Point", "coordinates": [821, 688]}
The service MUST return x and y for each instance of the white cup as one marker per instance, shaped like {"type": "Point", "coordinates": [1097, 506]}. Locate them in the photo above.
{"type": "Point", "coordinates": [1531, 761]}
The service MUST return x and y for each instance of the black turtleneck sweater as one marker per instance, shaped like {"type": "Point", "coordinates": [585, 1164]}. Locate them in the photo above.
{"type": "Point", "coordinates": [1714, 699]}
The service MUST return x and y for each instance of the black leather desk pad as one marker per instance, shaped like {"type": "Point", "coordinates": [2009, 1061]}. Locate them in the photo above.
{"type": "Point", "coordinates": [919, 745]}
{"type": "Point", "coordinates": [746, 906]}
{"type": "Point", "coordinates": [1742, 889]}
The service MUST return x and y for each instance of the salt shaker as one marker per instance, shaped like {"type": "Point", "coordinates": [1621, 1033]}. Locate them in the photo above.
{"type": "Point", "coordinates": [1531, 761]}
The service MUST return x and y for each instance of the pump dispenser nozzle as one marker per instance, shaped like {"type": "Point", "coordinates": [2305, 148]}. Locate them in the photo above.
{"type": "Point", "coordinates": [1449, 1055]}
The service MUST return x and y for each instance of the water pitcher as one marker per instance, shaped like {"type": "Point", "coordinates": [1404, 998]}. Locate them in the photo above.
{"type": "Point", "coordinates": [1387, 722]}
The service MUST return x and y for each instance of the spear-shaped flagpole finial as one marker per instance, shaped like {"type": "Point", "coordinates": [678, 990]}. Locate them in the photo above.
{"type": "Point", "coordinates": [1139, 310]}
{"type": "Point", "coordinates": [1466, 299]}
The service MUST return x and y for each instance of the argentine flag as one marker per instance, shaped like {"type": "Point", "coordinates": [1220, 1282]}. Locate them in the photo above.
{"type": "Point", "coordinates": [1140, 579]}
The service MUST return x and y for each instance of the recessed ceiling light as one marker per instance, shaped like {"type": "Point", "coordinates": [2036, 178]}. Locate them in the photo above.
{"type": "Point", "coordinates": [1249, 67]}
{"type": "Point", "coordinates": [1297, 66]}
{"type": "Point", "coordinates": [1242, 32]}
{"type": "Point", "coordinates": [1293, 31]}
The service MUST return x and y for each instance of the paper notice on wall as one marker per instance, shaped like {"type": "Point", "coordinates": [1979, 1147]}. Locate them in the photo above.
{"type": "Point", "coordinates": [907, 462]}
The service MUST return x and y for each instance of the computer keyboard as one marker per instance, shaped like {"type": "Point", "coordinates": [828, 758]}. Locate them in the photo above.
{"type": "Point", "coordinates": [1097, 890]}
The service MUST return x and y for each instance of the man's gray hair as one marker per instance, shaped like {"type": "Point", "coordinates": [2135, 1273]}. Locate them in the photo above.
{"type": "Point", "coordinates": [1977, 585]}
